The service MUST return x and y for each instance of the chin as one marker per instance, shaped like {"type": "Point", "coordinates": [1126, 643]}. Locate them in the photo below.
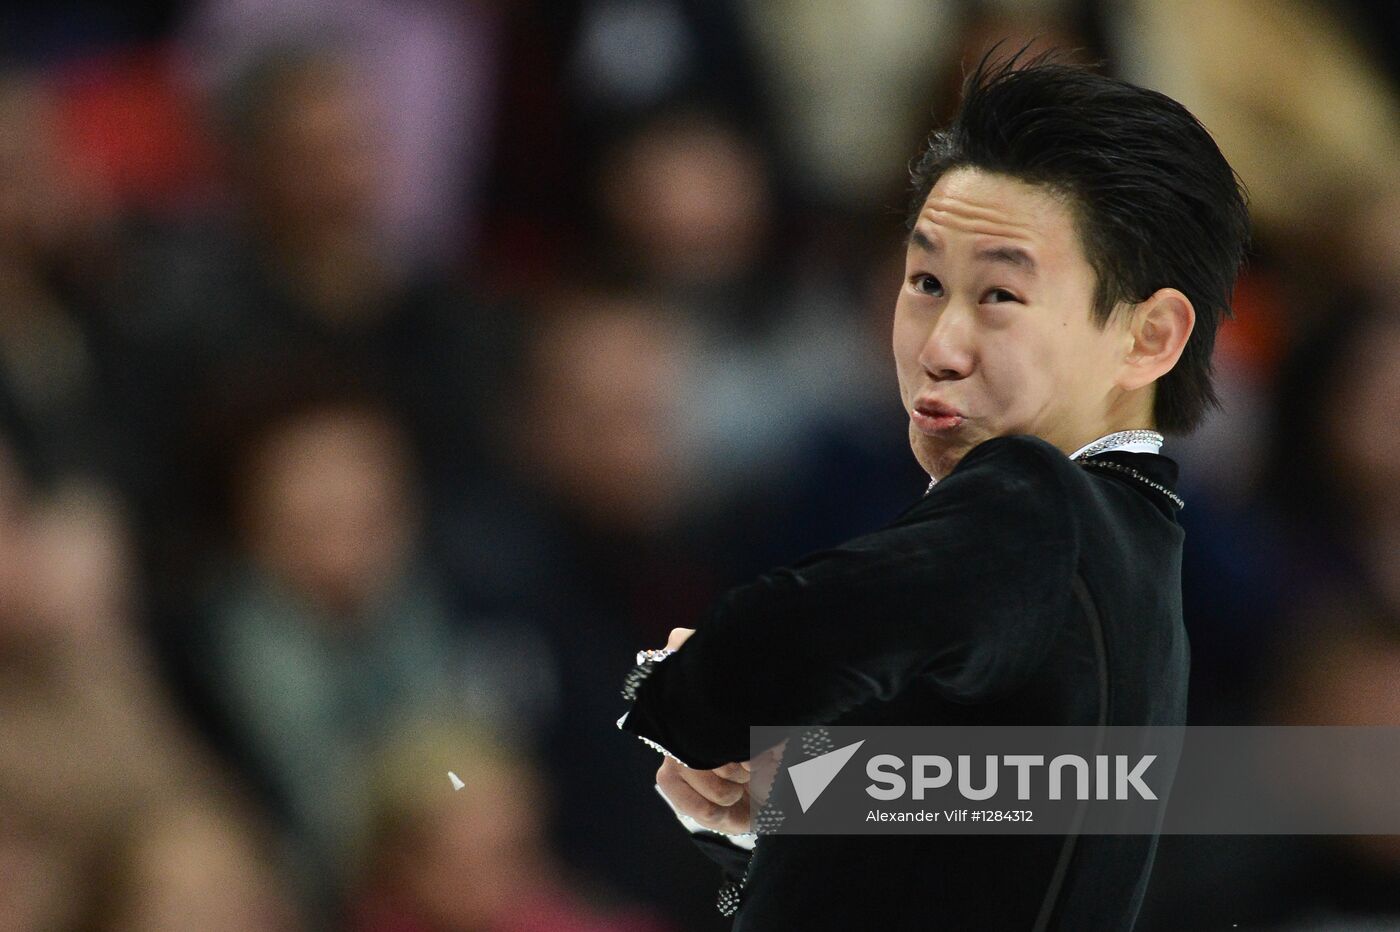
{"type": "Point", "coordinates": [937, 456]}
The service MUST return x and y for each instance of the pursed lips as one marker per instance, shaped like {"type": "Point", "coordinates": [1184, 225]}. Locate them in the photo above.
{"type": "Point", "coordinates": [931, 416]}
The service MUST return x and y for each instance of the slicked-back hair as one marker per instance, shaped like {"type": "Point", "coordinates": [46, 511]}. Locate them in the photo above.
{"type": "Point", "coordinates": [1154, 202]}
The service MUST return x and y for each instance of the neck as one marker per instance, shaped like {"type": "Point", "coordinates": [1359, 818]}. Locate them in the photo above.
{"type": "Point", "coordinates": [1129, 412]}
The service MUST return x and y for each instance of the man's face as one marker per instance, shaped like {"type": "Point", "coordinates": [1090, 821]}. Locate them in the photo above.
{"type": "Point", "coordinates": [993, 329]}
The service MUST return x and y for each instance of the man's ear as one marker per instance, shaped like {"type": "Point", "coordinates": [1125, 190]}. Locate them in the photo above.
{"type": "Point", "coordinates": [1159, 329]}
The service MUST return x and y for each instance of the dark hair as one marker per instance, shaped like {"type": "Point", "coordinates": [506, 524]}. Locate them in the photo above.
{"type": "Point", "coordinates": [247, 402]}
{"type": "Point", "coordinates": [1155, 203]}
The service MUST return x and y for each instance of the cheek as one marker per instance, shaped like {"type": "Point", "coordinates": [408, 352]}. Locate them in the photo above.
{"type": "Point", "coordinates": [1092, 356]}
{"type": "Point", "coordinates": [1028, 376]}
{"type": "Point", "coordinates": [906, 343]}
{"type": "Point", "coordinates": [1015, 367]}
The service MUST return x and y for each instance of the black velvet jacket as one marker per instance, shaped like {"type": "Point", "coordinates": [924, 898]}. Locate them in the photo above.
{"type": "Point", "coordinates": [1024, 588]}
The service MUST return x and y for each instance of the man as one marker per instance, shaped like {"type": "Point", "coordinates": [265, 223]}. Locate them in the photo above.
{"type": "Point", "coordinates": [1073, 243]}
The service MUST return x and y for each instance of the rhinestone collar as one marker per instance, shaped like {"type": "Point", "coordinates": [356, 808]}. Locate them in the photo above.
{"type": "Point", "coordinates": [1137, 440]}
{"type": "Point", "coordinates": [1132, 441]}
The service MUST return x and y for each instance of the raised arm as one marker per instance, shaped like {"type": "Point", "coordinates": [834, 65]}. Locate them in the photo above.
{"type": "Point", "coordinates": [965, 588]}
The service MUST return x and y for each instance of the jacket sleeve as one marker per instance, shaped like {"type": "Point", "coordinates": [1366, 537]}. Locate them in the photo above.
{"type": "Point", "coordinates": [965, 589]}
{"type": "Point", "coordinates": [730, 852]}
{"type": "Point", "coordinates": [733, 860]}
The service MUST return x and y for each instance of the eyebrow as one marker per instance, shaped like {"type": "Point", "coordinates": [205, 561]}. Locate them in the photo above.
{"type": "Point", "coordinates": [1007, 255]}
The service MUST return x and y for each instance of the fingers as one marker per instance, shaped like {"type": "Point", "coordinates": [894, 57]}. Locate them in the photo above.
{"type": "Point", "coordinates": [673, 773]}
{"type": "Point", "coordinates": [732, 818]}
{"type": "Point", "coordinates": [712, 786]}
{"type": "Point", "coordinates": [674, 780]}
{"type": "Point", "coordinates": [717, 799]}
{"type": "Point", "coordinates": [678, 637]}
{"type": "Point", "coordinates": [684, 797]}
{"type": "Point", "coordinates": [737, 818]}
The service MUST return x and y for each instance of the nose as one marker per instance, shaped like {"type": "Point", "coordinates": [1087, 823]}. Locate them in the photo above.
{"type": "Point", "coordinates": [947, 353]}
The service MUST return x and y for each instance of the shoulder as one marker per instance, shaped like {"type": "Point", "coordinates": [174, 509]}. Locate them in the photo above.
{"type": "Point", "coordinates": [1015, 481]}
{"type": "Point", "coordinates": [1014, 463]}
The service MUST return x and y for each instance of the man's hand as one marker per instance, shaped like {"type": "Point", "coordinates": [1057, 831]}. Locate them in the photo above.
{"type": "Point", "coordinates": [719, 799]}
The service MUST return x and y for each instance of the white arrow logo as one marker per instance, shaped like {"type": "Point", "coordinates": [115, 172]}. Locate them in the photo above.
{"type": "Point", "coordinates": [811, 777]}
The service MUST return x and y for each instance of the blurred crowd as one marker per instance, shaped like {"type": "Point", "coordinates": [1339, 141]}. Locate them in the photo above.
{"type": "Point", "coordinates": [377, 376]}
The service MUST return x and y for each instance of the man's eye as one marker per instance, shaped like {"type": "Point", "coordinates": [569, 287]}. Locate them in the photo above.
{"type": "Point", "coordinates": [927, 284]}
{"type": "Point", "coordinates": [998, 295]}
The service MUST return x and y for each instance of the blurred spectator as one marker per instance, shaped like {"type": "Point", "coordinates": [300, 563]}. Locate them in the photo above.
{"type": "Point", "coordinates": [1340, 667]}
{"type": "Point", "coordinates": [689, 208]}
{"type": "Point", "coordinates": [1314, 641]}
{"type": "Point", "coordinates": [302, 269]}
{"type": "Point", "coordinates": [429, 80]}
{"type": "Point", "coordinates": [324, 621]}
{"type": "Point", "coordinates": [609, 553]}
{"type": "Point", "coordinates": [56, 367]}
{"type": "Point", "coordinates": [577, 74]}
{"type": "Point", "coordinates": [187, 866]}
{"type": "Point", "coordinates": [1258, 73]}
{"type": "Point", "coordinates": [1335, 476]}
{"type": "Point", "coordinates": [93, 757]}
{"type": "Point", "coordinates": [853, 84]}
{"type": "Point", "coordinates": [769, 348]}
{"type": "Point", "coordinates": [471, 861]}
{"type": "Point", "coordinates": [596, 415]}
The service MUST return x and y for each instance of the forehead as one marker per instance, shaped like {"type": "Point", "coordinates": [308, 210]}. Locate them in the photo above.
{"type": "Point", "coordinates": [970, 203]}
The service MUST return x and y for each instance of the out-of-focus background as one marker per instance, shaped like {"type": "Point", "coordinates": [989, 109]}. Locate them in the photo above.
{"type": "Point", "coordinates": [377, 376]}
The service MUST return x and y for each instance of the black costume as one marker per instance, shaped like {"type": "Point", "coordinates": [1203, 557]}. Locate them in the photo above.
{"type": "Point", "coordinates": [1024, 588]}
